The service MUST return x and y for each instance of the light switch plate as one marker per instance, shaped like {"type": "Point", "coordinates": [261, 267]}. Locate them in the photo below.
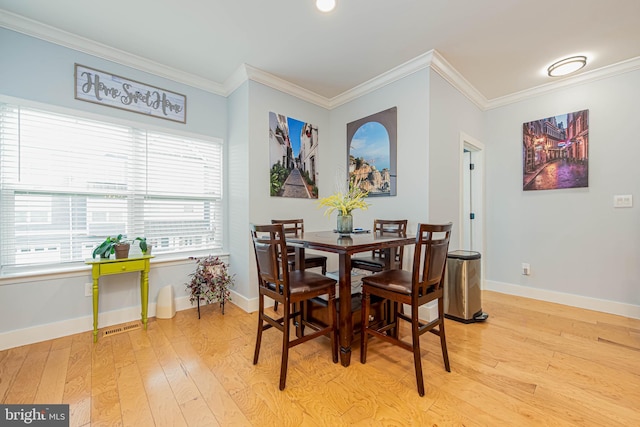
{"type": "Point", "coordinates": [623, 201]}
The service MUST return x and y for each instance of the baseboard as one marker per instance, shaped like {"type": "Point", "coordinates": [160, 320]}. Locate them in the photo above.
{"type": "Point", "coordinates": [426, 313]}
{"type": "Point", "coordinates": [605, 306]}
{"type": "Point", "coordinates": [78, 325]}
{"type": "Point", "coordinates": [248, 305]}
{"type": "Point", "coordinates": [63, 328]}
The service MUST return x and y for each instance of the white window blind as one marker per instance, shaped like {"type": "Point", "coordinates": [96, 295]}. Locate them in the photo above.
{"type": "Point", "coordinates": [66, 183]}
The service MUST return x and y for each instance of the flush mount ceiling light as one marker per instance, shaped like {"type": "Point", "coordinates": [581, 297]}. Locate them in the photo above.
{"type": "Point", "coordinates": [567, 66]}
{"type": "Point", "coordinates": [325, 5]}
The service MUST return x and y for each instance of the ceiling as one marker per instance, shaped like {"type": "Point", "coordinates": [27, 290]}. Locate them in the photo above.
{"type": "Point", "coordinates": [500, 47]}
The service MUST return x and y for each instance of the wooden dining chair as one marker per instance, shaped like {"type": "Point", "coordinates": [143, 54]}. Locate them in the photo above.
{"type": "Point", "coordinates": [291, 289]}
{"type": "Point", "coordinates": [414, 288]}
{"type": "Point", "coordinates": [295, 227]}
{"type": "Point", "coordinates": [375, 260]}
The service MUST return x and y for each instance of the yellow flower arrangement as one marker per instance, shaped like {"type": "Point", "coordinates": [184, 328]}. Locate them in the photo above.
{"type": "Point", "coordinates": [345, 202]}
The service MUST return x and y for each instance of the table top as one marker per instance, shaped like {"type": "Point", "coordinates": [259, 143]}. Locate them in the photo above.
{"type": "Point", "coordinates": [330, 241]}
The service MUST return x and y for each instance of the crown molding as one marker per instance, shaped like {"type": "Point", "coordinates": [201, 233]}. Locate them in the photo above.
{"type": "Point", "coordinates": [257, 75]}
{"type": "Point", "coordinates": [235, 80]}
{"type": "Point", "coordinates": [457, 80]}
{"type": "Point", "coordinates": [54, 35]}
{"type": "Point", "coordinates": [416, 64]}
{"type": "Point", "coordinates": [629, 65]}
{"type": "Point", "coordinates": [431, 59]}
{"type": "Point", "coordinates": [247, 72]}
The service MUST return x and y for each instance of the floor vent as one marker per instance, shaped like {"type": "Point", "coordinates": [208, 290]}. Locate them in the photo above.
{"type": "Point", "coordinates": [118, 329]}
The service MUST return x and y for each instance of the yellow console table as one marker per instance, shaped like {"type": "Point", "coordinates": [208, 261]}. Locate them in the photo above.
{"type": "Point", "coordinates": [104, 267]}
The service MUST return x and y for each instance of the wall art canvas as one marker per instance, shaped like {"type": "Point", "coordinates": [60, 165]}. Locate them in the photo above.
{"type": "Point", "coordinates": [293, 156]}
{"type": "Point", "coordinates": [372, 149]}
{"type": "Point", "coordinates": [555, 152]}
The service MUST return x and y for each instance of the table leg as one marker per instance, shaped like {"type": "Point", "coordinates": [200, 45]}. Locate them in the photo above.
{"type": "Point", "coordinates": [144, 295]}
{"type": "Point", "coordinates": [95, 309]}
{"type": "Point", "coordinates": [299, 258]}
{"type": "Point", "coordinates": [345, 321]}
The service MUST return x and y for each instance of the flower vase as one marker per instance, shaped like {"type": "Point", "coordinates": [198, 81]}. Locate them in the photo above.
{"type": "Point", "coordinates": [345, 224]}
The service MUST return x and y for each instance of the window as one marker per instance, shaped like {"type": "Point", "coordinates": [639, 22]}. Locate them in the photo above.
{"type": "Point", "coordinates": [66, 183]}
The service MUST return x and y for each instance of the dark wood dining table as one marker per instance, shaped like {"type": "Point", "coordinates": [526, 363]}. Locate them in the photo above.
{"type": "Point", "coordinates": [345, 247]}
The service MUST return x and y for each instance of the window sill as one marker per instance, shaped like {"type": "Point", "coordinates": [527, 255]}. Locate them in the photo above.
{"type": "Point", "coordinates": [77, 269]}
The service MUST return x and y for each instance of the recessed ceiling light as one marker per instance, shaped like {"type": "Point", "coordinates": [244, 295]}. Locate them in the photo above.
{"type": "Point", "coordinates": [325, 5]}
{"type": "Point", "coordinates": [567, 66]}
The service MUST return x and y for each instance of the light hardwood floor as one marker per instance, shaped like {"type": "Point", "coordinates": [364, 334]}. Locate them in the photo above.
{"type": "Point", "coordinates": [531, 363]}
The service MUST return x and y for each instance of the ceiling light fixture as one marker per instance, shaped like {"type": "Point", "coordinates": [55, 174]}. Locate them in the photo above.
{"type": "Point", "coordinates": [567, 66]}
{"type": "Point", "coordinates": [325, 5]}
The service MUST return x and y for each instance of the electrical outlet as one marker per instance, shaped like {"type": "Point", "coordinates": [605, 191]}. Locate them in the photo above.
{"type": "Point", "coordinates": [88, 289]}
{"type": "Point", "coordinates": [526, 269]}
{"type": "Point", "coordinates": [623, 201]}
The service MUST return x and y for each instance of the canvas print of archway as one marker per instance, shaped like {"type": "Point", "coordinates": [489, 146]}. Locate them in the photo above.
{"type": "Point", "coordinates": [293, 153]}
{"type": "Point", "coordinates": [372, 149]}
{"type": "Point", "coordinates": [555, 152]}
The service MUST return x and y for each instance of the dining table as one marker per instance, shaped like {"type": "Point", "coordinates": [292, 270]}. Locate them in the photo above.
{"type": "Point", "coordinates": [345, 246]}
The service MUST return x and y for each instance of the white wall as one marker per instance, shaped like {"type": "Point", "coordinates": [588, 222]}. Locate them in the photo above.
{"type": "Point", "coordinates": [239, 192]}
{"type": "Point", "coordinates": [411, 96]}
{"type": "Point", "coordinates": [582, 251]}
{"type": "Point", "coordinates": [250, 200]}
{"type": "Point", "coordinates": [44, 307]}
{"type": "Point", "coordinates": [450, 114]}
{"type": "Point", "coordinates": [262, 207]}
{"type": "Point", "coordinates": [263, 100]}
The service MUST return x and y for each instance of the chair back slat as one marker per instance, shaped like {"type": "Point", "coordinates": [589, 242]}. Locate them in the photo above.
{"type": "Point", "coordinates": [269, 244]}
{"type": "Point", "coordinates": [292, 227]}
{"type": "Point", "coordinates": [393, 227]}
{"type": "Point", "coordinates": [430, 258]}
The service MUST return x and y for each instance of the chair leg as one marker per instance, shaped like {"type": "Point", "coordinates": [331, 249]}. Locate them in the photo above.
{"type": "Point", "coordinates": [364, 311]}
{"type": "Point", "coordinates": [275, 306]}
{"type": "Point", "coordinates": [285, 347]}
{"type": "Point", "coordinates": [443, 339]}
{"type": "Point", "coordinates": [417, 359]}
{"type": "Point", "coordinates": [259, 335]}
{"type": "Point", "coordinates": [324, 267]}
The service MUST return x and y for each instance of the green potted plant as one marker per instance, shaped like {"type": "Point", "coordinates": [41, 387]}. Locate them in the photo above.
{"type": "Point", "coordinates": [210, 282]}
{"type": "Point", "coordinates": [111, 245]}
{"type": "Point", "coordinates": [144, 247]}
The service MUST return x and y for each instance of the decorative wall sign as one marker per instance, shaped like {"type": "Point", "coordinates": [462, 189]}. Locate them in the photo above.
{"type": "Point", "coordinates": [555, 152]}
{"type": "Point", "coordinates": [107, 89]}
{"type": "Point", "coordinates": [293, 156]}
{"type": "Point", "coordinates": [372, 150]}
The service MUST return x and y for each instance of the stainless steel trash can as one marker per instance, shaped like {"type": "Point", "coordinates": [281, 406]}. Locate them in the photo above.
{"type": "Point", "coordinates": [462, 293]}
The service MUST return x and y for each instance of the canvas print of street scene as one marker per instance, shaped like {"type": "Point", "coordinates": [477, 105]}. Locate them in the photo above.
{"type": "Point", "coordinates": [555, 152]}
{"type": "Point", "coordinates": [293, 150]}
{"type": "Point", "coordinates": [372, 144]}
